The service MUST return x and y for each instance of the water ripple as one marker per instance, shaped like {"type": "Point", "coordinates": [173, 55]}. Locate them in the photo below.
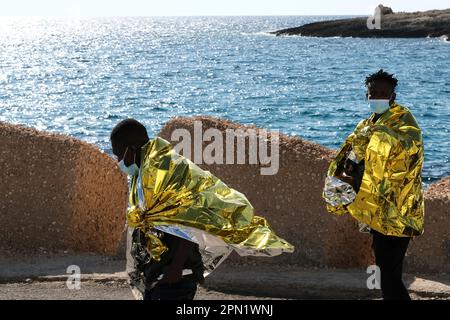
{"type": "Point", "coordinates": [82, 76]}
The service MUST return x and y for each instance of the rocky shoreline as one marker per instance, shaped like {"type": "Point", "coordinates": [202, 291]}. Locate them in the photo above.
{"type": "Point", "coordinates": [432, 23]}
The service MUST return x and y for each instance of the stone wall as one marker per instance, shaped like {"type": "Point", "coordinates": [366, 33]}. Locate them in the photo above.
{"type": "Point", "coordinates": [57, 194]}
{"type": "Point", "coordinates": [291, 201]}
{"type": "Point", "coordinates": [431, 251]}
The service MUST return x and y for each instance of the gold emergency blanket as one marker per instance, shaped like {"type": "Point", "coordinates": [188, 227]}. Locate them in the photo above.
{"type": "Point", "coordinates": [390, 198]}
{"type": "Point", "coordinates": [172, 194]}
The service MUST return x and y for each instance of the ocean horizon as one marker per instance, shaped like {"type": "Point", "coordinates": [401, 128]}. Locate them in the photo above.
{"type": "Point", "coordinates": [80, 77]}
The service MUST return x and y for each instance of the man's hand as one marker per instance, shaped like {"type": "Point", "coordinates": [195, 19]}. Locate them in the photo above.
{"type": "Point", "coordinates": [174, 271]}
{"type": "Point", "coordinates": [172, 274]}
{"type": "Point", "coordinates": [344, 173]}
{"type": "Point", "coordinates": [343, 177]}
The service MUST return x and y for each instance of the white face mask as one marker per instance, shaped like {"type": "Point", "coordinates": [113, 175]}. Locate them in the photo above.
{"type": "Point", "coordinates": [378, 105]}
{"type": "Point", "coordinates": [132, 170]}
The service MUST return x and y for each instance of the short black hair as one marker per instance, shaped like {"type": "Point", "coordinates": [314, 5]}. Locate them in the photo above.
{"type": "Point", "coordinates": [129, 132]}
{"type": "Point", "coordinates": [383, 76]}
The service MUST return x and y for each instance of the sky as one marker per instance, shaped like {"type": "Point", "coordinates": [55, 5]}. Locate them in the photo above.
{"type": "Point", "coordinates": [88, 8]}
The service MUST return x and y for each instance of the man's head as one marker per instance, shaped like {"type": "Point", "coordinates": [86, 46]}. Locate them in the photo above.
{"type": "Point", "coordinates": [127, 138]}
{"type": "Point", "coordinates": [381, 86]}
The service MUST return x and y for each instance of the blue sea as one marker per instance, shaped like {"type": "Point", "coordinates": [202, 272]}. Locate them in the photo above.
{"type": "Point", "coordinates": [81, 77]}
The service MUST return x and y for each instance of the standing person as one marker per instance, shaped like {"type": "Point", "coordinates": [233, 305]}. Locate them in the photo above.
{"type": "Point", "coordinates": [185, 220]}
{"type": "Point", "coordinates": [382, 161]}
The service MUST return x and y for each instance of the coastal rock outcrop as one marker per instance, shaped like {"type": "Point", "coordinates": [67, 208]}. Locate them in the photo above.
{"type": "Point", "coordinates": [432, 23]}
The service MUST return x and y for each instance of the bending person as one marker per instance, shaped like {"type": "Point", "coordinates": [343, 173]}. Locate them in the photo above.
{"type": "Point", "coordinates": [184, 220]}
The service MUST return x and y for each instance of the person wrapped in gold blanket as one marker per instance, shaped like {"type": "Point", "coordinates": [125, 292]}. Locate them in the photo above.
{"type": "Point", "coordinates": [184, 220]}
{"type": "Point", "coordinates": [376, 177]}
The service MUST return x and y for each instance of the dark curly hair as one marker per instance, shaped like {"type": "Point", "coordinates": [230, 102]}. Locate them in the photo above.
{"type": "Point", "coordinates": [382, 75]}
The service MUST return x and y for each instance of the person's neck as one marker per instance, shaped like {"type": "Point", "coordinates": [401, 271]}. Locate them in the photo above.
{"type": "Point", "coordinates": [138, 154]}
{"type": "Point", "coordinates": [377, 116]}
{"type": "Point", "coordinates": [138, 157]}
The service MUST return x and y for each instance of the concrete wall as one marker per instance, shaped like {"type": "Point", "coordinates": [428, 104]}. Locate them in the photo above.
{"type": "Point", "coordinates": [57, 194]}
{"type": "Point", "coordinates": [291, 201]}
{"type": "Point", "coordinates": [431, 251]}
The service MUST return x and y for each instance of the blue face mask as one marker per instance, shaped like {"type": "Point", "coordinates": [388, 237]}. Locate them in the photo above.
{"type": "Point", "coordinates": [378, 105]}
{"type": "Point", "coordinates": [132, 170]}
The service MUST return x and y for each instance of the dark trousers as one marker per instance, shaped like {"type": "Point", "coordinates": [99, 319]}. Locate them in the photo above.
{"type": "Point", "coordinates": [389, 255]}
{"type": "Point", "coordinates": [181, 290]}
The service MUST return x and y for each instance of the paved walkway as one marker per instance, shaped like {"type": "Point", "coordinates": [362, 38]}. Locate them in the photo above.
{"type": "Point", "coordinates": [103, 278]}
